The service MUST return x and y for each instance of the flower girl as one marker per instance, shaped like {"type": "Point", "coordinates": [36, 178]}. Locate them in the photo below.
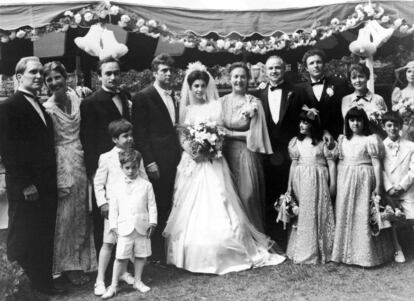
{"type": "Point", "coordinates": [359, 172]}
{"type": "Point", "coordinates": [311, 181]}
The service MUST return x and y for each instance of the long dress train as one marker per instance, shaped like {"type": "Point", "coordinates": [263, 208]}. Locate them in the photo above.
{"type": "Point", "coordinates": [207, 230]}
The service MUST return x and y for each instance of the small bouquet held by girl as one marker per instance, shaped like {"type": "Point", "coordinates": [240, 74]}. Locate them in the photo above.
{"type": "Point", "coordinates": [204, 139]}
{"type": "Point", "coordinates": [287, 207]}
{"type": "Point", "coordinates": [380, 216]}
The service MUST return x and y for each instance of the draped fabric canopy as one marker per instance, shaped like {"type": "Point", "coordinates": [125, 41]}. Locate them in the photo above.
{"type": "Point", "coordinates": [242, 17]}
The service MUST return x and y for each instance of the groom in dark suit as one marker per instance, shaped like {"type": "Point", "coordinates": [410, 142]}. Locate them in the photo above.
{"type": "Point", "coordinates": [281, 110]}
{"type": "Point", "coordinates": [154, 116]}
{"type": "Point", "coordinates": [107, 104]}
{"type": "Point", "coordinates": [323, 93]}
{"type": "Point", "coordinates": [28, 153]}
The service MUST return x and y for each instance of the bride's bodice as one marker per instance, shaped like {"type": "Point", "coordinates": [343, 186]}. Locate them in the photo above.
{"type": "Point", "coordinates": [209, 112]}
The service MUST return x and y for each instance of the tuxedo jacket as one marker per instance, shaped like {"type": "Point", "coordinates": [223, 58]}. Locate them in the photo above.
{"type": "Point", "coordinates": [399, 170]}
{"type": "Point", "coordinates": [330, 103]}
{"type": "Point", "coordinates": [132, 207]}
{"type": "Point", "coordinates": [27, 149]}
{"type": "Point", "coordinates": [287, 126]}
{"type": "Point", "coordinates": [154, 133]}
{"type": "Point", "coordinates": [97, 112]}
{"type": "Point", "coordinates": [28, 153]}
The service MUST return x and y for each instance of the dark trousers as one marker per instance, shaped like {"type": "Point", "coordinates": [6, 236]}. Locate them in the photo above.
{"type": "Point", "coordinates": [276, 184]}
{"type": "Point", "coordinates": [163, 190]}
{"type": "Point", "coordinates": [30, 239]}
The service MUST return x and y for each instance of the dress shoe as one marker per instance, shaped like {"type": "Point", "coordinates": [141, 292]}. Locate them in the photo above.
{"type": "Point", "coordinates": [399, 257]}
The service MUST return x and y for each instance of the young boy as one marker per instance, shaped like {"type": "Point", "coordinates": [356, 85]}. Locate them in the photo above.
{"type": "Point", "coordinates": [133, 219]}
{"type": "Point", "coordinates": [108, 173]}
{"type": "Point", "coordinates": [398, 172]}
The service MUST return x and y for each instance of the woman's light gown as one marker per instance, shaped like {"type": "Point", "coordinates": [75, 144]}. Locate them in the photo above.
{"type": "Point", "coordinates": [208, 230]}
{"type": "Point", "coordinates": [74, 248]}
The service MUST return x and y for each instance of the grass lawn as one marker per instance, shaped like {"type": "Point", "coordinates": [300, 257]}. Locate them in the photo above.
{"type": "Point", "coordinates": [284, 282]}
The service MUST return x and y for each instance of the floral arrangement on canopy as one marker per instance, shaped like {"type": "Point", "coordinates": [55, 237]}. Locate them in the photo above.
{"type": "Point", "coordinates": [107, 13]}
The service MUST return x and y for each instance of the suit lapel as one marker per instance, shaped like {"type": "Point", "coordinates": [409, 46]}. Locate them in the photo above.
{"type": "Point", "coordinates": [156, 98]}
{"type": "Point", "coordinates": [284, 103]}
{"type": "Point", "coordinates": [108, 104]}
{"type": "Point", "coordinates": [264, 95]}
{"type": "Point", "coordinates": [32, 114]}
{"type": "Point", "coordinates": [401, 156]}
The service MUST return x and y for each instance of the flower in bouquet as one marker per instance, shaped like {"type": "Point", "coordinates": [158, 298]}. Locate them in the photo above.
{"type": "Point", "coordinates": [380, 216]}
{"type": "Point", "coordinates": [405, 107]}
{"type": "Point", "coordinates": [287, 208]}
{"type": "Point", "coordinates": [249, 109]}
{"type": "Point", "coordinates": [376, 116]}
{"type": "Point", "coordinates": [205, 140]}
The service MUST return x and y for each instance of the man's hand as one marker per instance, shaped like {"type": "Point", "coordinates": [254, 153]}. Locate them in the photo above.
{"type": "Point", "coordinates": [30, 193]}
{"type": "Point", "coordinates": [151, 230]}
{"type": "Point", "coordinates": [153, 171]}
{"type": "Point", "coordinates": [104, 210]}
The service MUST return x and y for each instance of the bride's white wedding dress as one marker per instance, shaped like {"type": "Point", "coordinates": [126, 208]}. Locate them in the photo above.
{"type": "Point", "coordinates": [207, 230]}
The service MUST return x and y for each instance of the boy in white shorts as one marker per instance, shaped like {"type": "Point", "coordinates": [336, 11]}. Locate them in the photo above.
{"type": "Point", "coordinates": [133, 218]}
{"type": "Point", "coordinates": [108, 173]}
{"type": "Point", "coordinates": [398, 173]}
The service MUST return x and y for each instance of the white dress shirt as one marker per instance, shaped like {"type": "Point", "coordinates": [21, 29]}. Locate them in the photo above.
{"type": "Point", "coordinates": [116, 99]}
{"type": "Point", "coordinates": [275, 99]}
{"type": "Point", "coordinates": [34, 104]}
{"type": "Point", "coordinates": [317, 90]}
{"type": "Point", "coordinates": [167, 99]}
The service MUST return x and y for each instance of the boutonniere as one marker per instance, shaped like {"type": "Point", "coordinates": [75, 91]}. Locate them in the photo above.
{"type": "Point", "coordinates": [330, 91]}
{"type": "Point", "coordinates": [289, 94]}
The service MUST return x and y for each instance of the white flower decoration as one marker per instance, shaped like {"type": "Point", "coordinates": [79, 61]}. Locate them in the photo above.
{"type": "Point", "coordinates": [78, 18]}
{"type": "Point", "coordinates": [68, 13]}
{"type": "Point", "coordinates": [114, 10]}
{"type": "Point", "coordinates": [20, 34]}
{"type": "Point", "coordinates": [125, 18]}
{"type": "Point", "coordinates": [4, 39]}
{"type": "Point", "coordinates": [88, 17]}
{"type": "Point", "coordinates": [140, 22]}
{"type": "Point", "coordinates": [330, 91]}
{"type": "Point", "coordinates": [152, 23]}
{"type": "Point", "coordinates": [144, 29]}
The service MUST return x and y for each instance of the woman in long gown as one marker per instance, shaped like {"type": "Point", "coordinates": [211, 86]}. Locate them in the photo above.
{"type": "Point", "coordinates": [407, 93]}
{"type": "Point", "coordinates": [247, 140]}
{"type": "Point", "coordinates": [73, 249]}
{"type": "Point", "coordinates": [208, 230]}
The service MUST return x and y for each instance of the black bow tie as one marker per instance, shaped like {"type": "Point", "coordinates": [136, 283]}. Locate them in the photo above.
{"type": "Point", "coordinates": [364, 97]}
{"type": "Point", "coordinates": [272, 88]}
{"type": "Point", "coordinates": [113, 93]}
{"type": "Point", "coordinates": [319, 82]}
{"type": "Point", "coordinates": [31, 96]}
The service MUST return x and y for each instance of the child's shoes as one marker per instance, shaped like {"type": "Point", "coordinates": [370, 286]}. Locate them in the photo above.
{"type": "Point", "coordinates": [100, 288]}
{"type": "Point", "coordinates": [127, 277]}
{"type": "Point", "coordinates": [140, 286]}
{"type": "Point", "coordinates": [399, 257]}
{"type": "Point", "coordinates": [110, 292]}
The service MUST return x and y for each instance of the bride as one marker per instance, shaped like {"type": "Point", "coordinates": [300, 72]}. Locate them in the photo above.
{"type": "Point", "coordinates": [208, 230]}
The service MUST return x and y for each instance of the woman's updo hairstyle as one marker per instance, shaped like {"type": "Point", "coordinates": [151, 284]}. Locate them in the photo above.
{"type": "Point", "coordinates": [197, 75]}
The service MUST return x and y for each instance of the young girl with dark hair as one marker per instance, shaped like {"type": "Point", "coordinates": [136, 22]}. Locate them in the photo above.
{"type": "Point", "coordinates": [312, 182]}
{"type": "Point", "coordinates": [359, 172]}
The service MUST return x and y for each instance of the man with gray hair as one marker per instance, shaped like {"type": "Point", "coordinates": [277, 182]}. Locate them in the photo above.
{"type": "Point", "coordinates": [281, 111]}
{"type": "Point", "coordinates": [28, 153]}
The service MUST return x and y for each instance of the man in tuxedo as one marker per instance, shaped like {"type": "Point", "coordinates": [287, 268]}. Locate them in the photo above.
{"type": "Point", "coordinates": [323, 93]}
{"type": "Point", "coordinates": [154, 116]}
{"type": "Point", "coordinates": [281, 110]}
{"type": "Point", "coordinates": [107, 104]}
{"type": "Point", "coordinates": [28, 153]}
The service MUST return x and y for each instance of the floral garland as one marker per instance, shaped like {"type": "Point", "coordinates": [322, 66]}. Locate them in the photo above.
{"type": "Point", "coordinates": [107, 13]}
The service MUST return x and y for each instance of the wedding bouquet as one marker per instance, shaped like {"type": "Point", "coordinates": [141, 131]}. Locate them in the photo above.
{"type": "Point", "coordinates": [287, 208]}
{"type": "Point", "coordinates": [405, 107]}
{"type": "Point", "coordinates": [249, 109]}
{"type": "Point", "coordinates": [205, 140]}
{"type": "Point", "coordinates": [380, 216]}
